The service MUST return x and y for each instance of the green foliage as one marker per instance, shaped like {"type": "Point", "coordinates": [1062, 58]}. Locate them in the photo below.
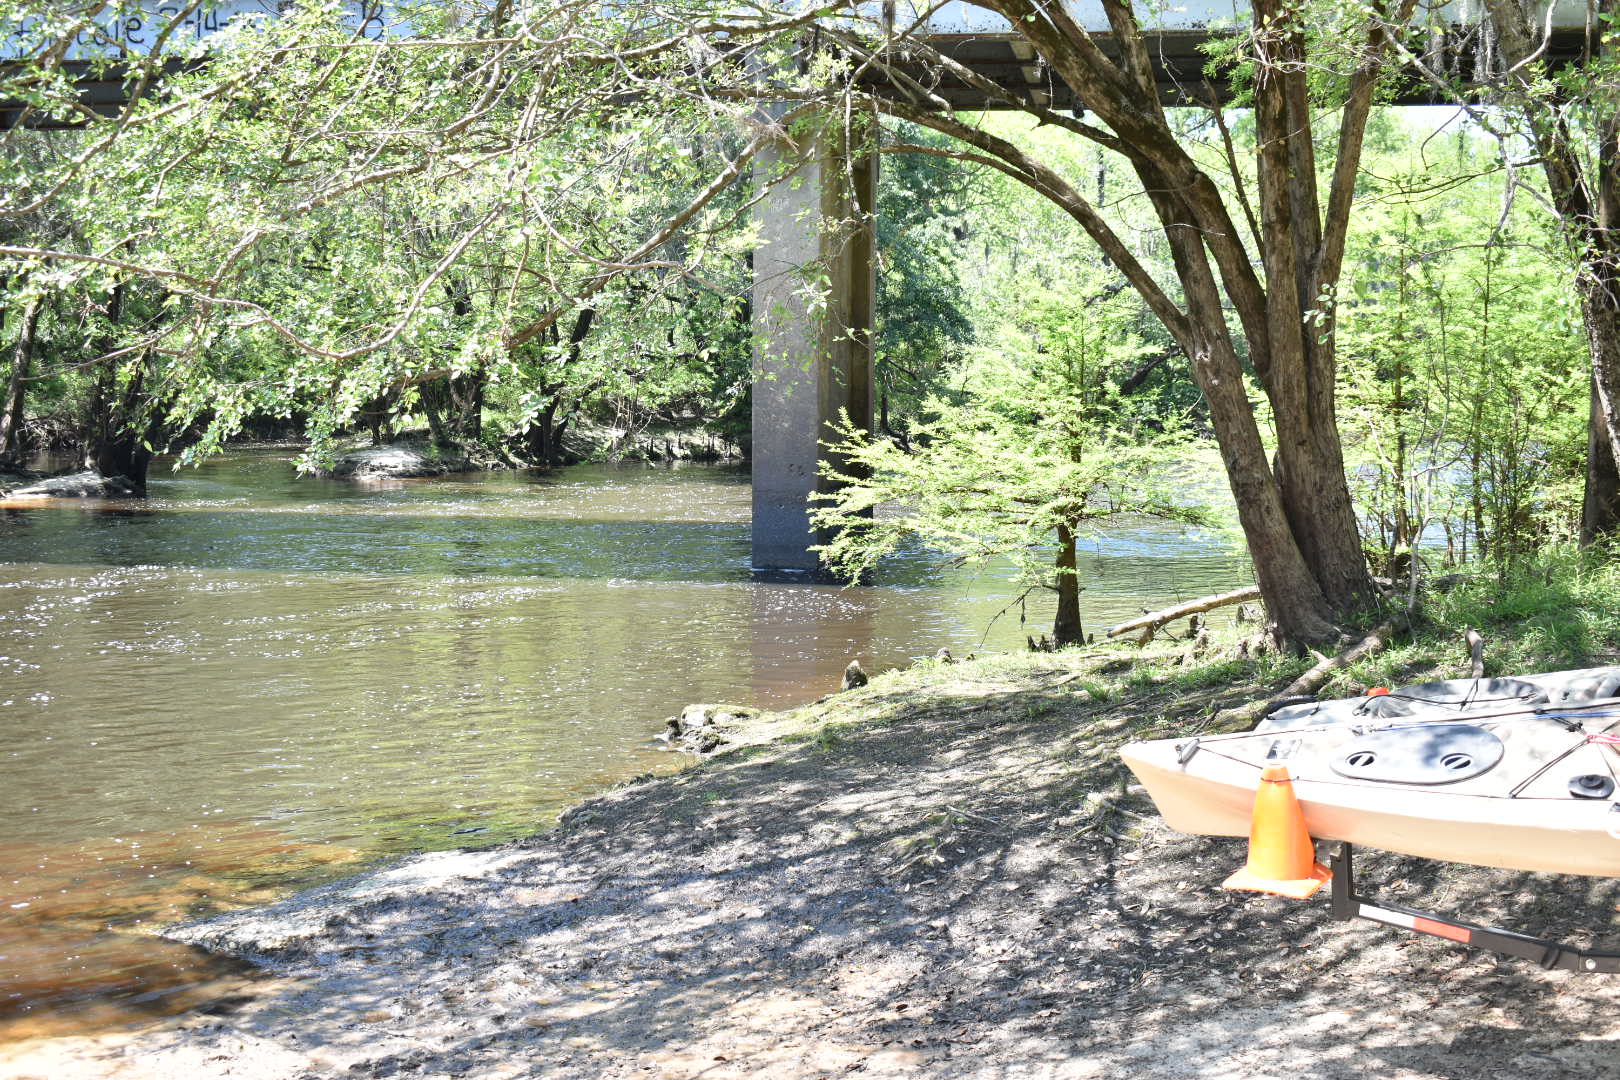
{"type": "Point", "coordinates": [1034, 445]}
{"type": "Point", "coordinates": [925, 321]}
{"type": "Point", "coordinates": [1463, 369]}
{"type": "Point", "coordinates": [1555, 611]}
{"type": "Point", "coordinates": [350, 233]}
{"type": "Point", "coordinates": [1560, 609]}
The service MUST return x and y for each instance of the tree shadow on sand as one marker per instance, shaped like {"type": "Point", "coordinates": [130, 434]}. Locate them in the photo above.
{"type": "Point", "coordinates": [966, 890]}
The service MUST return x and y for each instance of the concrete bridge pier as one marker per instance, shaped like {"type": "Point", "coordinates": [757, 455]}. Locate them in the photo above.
{"type": "Point", "coordinates": [815, 288]}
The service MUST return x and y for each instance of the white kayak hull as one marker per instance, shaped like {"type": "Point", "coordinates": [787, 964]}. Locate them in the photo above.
{"type": "Point", "coordinates": [1517, 814]}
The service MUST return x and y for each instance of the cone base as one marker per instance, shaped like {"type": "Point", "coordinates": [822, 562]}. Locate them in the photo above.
{"type": "Point", "coordinates": [1302, 889]}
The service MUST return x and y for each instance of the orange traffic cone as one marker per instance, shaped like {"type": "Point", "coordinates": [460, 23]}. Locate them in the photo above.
{"type": "Point", "coordinates": [1282, 858]}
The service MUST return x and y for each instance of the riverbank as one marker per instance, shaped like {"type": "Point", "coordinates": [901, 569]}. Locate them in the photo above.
{"type": "Point", "coordinates": [943, 874]}
{"type": "Point", "coordinates": [415, 454]}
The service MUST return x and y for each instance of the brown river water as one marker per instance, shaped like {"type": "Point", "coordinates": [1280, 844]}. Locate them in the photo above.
{"type": "Point", "coordinates": [253, 682]}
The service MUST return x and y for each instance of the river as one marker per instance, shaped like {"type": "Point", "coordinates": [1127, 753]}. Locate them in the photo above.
{"type": "Point", "coordinates": [252, 681]}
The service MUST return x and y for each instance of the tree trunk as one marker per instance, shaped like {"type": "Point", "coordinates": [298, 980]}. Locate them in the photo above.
{"type": "Point", "coordinates": [1302, 532]}
{"type": "Point", "coordinates": [1321, 517]}
{"type": "Point", "coordinates": [557, 433]}
{"type": "Point", "coordinates": [428, 397]}
{"type": "Point", "coordinates": [373, 415]}
{"type": "Point", "coordinates": [1066, 627]}
{"type": "Point", "coordinates": [1296, 362]}
{"type": "Point", "coordinates": [1600, 312]}
{"type": "Point", "coordinates": [124, 456]}
{"type": "Point", "coordinates": [541, 436]}
{"type": "Point", "coordinates": [1299, 610]}
{"type": "Point", "coordinates": [1297, 604]}
{"type": "Point", "coordinates": [545, 432]}
{"type": "Point", "coordinates": [467, 406]}
{"type": "Point", "coordinates": [22, 360]}
{"type": "Point", "coordinates": [116, 444]}
{"type": "Point", "coordinates": [1600, 508]}
{"type": "Point", "coordinates": [464, 393]}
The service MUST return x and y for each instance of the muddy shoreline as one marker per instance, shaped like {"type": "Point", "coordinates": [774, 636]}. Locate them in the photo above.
{"type": "Point", "coordinates": [944, 874]}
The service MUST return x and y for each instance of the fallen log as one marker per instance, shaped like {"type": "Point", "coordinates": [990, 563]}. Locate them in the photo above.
{"type": "Point", "coordinates": [1155, 619]}
{"type": "Point", "coordinates": [1245, 717]}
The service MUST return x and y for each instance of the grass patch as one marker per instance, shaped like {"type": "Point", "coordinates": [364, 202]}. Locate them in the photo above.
{"type": "Point", "coordinates": [1099, 691]}
{"type": "Point", "coordinates": [1558, 611]}
{"type": "Point", "coordinates": [1213, 673]}
{"type": "Point", "coordinates": [827, 736]}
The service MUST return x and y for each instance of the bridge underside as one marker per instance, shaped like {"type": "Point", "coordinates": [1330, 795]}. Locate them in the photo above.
{"type": "Point", "coordinates": [1011, 64]}
{"type": "Point", "coordinates": [1179, 62]}
{"type": "Point", "coordinates": [103, 89]}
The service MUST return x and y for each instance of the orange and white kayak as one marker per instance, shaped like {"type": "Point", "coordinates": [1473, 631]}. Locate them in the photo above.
{"type": "Point", "coordinates": [1522, 773]}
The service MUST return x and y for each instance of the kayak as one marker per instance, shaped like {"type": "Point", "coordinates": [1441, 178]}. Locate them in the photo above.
{"type": "Point", "coordinates": [1521, 773]}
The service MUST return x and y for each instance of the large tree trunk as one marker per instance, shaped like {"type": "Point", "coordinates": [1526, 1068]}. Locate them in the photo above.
{"type": "Point", "coordinates": [1297, 604]}
{"type": "Point", "coordinates": [1300, 254]}
{"type": "Point", "coordinates": [123, 456]}
{"type": "Point", "coordinates": [116, 438]}
{"type": "Point", "coordinates": [1300, 610]}
{"type": "Point", "coordinates": [1600, 507]}
{"type": "Point", "coordinates": [1301, 528]}
{"type": "Point", "coordinates": [1066, 627]}
{"type": "Point", "coordinates": [429, 398]}
{"type": "Point", "coordinates": [1299, 522]}
{"type": "Point", "coordinates": [466, 419]}
{"type": "Point", "coordinates": [1599, 285]}
{"type": "Point", "coordinates": [545, 431]}
{"type": "Point", "coordinates": [22, 360]}
{"type": "Point", "coordinates": [542, 433]}
{"type": "Point", "coordinates": [116, 428]}
{"type": "Point", "coordinates": [1321, 517]}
